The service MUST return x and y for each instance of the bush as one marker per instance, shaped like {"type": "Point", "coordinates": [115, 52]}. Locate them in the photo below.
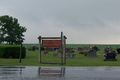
{"type": "Point", "coordinates": [59, 51]}
{"type": "Point", "coordinates": [37, 48]}
{"type": "Point", "coordinates": [72, 51]}
{"type": "Point", "coordinates": [11, 51]}
{"type": "Point", "coordinates": [85, 52]}
{"type": "Point", "coordinates": [30, 49]}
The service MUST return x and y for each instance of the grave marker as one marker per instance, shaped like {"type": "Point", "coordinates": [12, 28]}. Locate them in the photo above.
{"type": "Point", "coordinates": [118, 50]}
{"type": "Point", "coordinates": [91, 53]}
{"type": "Point", "coordinates": [110, 56]}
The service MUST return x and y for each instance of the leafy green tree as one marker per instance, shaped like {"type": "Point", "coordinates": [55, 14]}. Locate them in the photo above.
{"type": "Point", "coordinates": [10, 30]}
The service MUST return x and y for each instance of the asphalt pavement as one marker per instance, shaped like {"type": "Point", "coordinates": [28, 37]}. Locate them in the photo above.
{"type": "Point", "coordinates": [59, 73]}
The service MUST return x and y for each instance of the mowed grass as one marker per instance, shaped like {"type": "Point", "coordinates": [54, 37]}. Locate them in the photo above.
{"type": "Point", "coordinates": [100, 46]}
{"type": "Point", "coordinates": [32, 59]}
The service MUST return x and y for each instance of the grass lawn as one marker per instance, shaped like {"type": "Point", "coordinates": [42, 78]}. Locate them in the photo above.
{"type": "Point", "coordinates": [33, 60]}
{"type": "Point", "coordinates": [100, 46]}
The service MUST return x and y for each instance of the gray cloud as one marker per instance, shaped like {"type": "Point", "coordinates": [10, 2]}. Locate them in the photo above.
{"type": "Point", "coordinates": [82, 21]}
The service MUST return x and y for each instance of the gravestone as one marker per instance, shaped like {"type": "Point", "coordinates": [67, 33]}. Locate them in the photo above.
{"type": "Point", "coordinates": [46, 52]}
{"type": "Point", "coordinates": [79, 49]}
{"type": "Point", "coordinates": [68, 52]}
{"type": "Point", "coordinates": [95, 48]}
{"type": "Point", "coordinates": [107, 50]}
{"type": "Point", "coordinates": [91, 53]}
{"type": "Point", "coordinates": [55, 54]}
{"type": "Point", "coordinates": [69, 55]}
{"type": "Point", "coordinates": [73, 56]}
{"type": "Point", "coordinates": [33, 48]}
{"type": "Point", "coordinates": [55, 49]}
{"type": "Point", "coordinates": [86, 48]}
{"type": "Point", "coordinates": [118, 50]}
{"type": "Point", "coordinates": [42, 48]}
{"type": "Point", "coordinates": [68, 49]}
{"type": "Point", "coordinates": [110, 56]}
{"type": "Point", "coordinates": [50, 49]}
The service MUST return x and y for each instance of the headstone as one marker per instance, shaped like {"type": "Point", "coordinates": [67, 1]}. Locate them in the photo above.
{"type": "Point", "coordinates": [68, 52]}
{"type": "Point", "coordinates": [71, 48]}
{"type": "Point", "coordinates": [79, 49]}
{"type": "Point", "coordinates": [110, 56]}
{"type": "Point", "coordinates": [86, 48]}
{"type": "Point", "coordinates": [55, 54]}
{"type": "Point", "coordinates": [95, 48]}
{"type": "Point", "coordinates": [33, 48]}
{"type": "Point", "coordinates": [68, 49]}
{"type": "Point", "coordinates": [26, 50]}
{"type": "Point", "coordinates": [46, 52]}
{"type": "Point", "coordinates": [118, 50]}
{"type": "Point", "coordinates": [106, 50]}
{"type": "Point", "coordinates": [42, 48]}
{"type": "Point", "coordinates": [73, 56]}
{"type": "Point", "coordinates": [91, 53]}
{"type": "Point", "coordinates": [69, 55]}
{"type": "Point", "coordinates": [55, 49]}
{"type": "Point", "coordinates": [50, 49]}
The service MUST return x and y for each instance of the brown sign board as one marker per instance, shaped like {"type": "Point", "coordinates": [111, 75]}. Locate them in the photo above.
{"type": "Point", "coordinates": [51, 43]}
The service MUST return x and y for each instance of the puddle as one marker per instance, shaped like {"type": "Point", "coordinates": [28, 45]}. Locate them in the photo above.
{"type": "Point", "coordinates": [31, 71]}
{"type": "Point", "coordinates": [58, 72]}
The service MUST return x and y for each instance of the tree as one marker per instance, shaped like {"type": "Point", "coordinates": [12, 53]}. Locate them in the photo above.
{"type": "Point", "coordinates": [10, 30]}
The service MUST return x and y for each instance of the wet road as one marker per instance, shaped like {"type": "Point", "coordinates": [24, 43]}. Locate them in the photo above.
{"type": "Point", "coordinates": [59, 73]}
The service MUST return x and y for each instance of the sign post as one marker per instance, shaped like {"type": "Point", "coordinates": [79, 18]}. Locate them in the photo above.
{"type": "Point", "coordinates": [20, 52]}
{"type": "Point", "coordinates": [53, 42]}
{"type": "Point", "coordinates": [63, 48]}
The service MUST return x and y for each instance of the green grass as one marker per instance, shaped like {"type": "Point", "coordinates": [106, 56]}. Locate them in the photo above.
{"type": "Point", "coordinates": [4, 45]}
{"type": "Point", "coordinates": [100, 46]}
{"type": "Point", "coordinates": [33, 60]}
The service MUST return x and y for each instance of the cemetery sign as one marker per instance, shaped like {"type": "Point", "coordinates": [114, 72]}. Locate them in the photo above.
{"type": "Point", "coordinates": [51, 43]}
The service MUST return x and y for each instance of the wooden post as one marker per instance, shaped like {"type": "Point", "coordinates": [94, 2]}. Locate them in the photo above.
{"type": "Point", "coordinates": [20, 52]}
{"type": "Point", "coordinates": [62, 48]}
{"type": "Point", "coordinates": [39, 71]}
{"type": "Point", "coordinates": [62, 45]}
{"type": "Point", "coordinates": [65, 49]}
{"type": "Point", "coordinates": [39, 49]}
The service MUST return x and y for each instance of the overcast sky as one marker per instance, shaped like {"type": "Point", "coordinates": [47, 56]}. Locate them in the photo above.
{"type": "Point", "coordinates": [81, 21]}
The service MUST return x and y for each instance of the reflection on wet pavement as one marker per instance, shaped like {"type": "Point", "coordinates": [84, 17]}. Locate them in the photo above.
{"type": "Point", "coordinates": [13, 71]}
{"type": "Point", "coordinates": [50, 72]}
{"type": "Point", "coordinates": [10, 70]}
{"type": "Point", "coordinates": [66, 73]}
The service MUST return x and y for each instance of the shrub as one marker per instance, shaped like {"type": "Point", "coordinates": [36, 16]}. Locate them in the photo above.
{"type": "Point", "coordinates": [72, 51]}
{"type": "Point", "coordinates": [12, 52]}
{"type": "Point", "coordinates": [59, 51]}
{"type": "Point", "coordinates": [30, 49]}
{"type": "Point", "coordinates": [85, 52]}
{"type": "Point", "coordinates": [37, 48]}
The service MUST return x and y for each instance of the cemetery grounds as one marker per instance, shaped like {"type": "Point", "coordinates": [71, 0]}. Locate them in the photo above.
{"type": "Point", "coordinates": [32, 58]}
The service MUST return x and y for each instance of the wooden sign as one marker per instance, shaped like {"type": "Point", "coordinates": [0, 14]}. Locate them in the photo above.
{"type": "Point", "coordinates": [51, 43]}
